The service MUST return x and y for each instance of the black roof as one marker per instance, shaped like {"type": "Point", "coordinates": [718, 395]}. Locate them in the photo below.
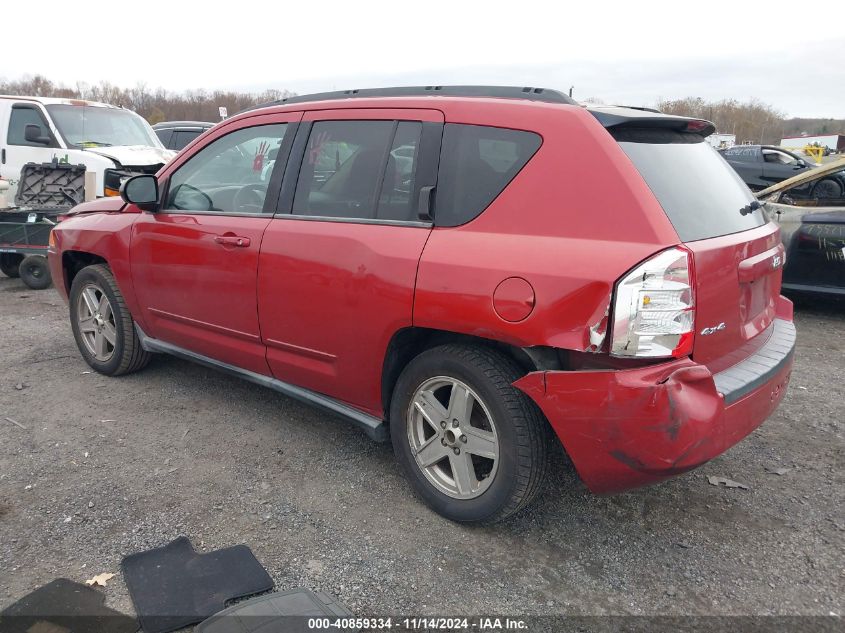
{"type": "Point", "coordinates": [609, 116]}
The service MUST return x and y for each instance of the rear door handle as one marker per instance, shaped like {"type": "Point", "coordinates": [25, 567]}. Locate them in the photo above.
{"type": "Point", "coordinates": [232, 240]}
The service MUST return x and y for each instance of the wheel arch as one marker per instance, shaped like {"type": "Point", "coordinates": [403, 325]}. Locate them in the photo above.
{"type": "Point", "coordinates": [408, 343]}
{"type": "Point", "coordinates": [75, 261]}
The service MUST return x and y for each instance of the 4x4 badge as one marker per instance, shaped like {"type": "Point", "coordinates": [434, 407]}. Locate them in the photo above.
{"type": "Point", "coordinates": [712, 330]}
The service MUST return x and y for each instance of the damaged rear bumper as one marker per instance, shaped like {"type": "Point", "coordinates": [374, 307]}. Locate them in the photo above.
{"type": "Point", "coordinates": [628, 428]}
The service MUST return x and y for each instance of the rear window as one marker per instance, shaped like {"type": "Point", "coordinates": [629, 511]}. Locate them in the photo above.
{"type": "Point", "coordinates": [701, 194]}
{"type": "Point", "coordinates": [476, 163]}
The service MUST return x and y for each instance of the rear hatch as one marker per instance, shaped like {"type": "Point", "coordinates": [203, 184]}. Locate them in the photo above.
{"type": "Point", "coordinates": [737, 253]}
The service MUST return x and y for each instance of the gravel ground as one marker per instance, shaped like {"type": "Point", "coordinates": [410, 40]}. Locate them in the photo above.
{"type": "Point", "coordinates": [106, 467]}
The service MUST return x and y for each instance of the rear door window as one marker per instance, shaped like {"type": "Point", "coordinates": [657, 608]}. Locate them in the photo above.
{"type": "Point", "coordinates": [359, 170]}
{"type": "Point", "coordinates": [700, 193]}
{"type": "Point", "coordinates": [476, 164]}
{"type": "Point", "coordinates": [395, 199]}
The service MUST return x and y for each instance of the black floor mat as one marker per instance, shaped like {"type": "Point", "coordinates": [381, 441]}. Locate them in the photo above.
{"type": "Point", "coordinates": [64, 606]}
{"type": "Point", "coordinates": [284, 612]}
{"type": "Point", "coordinates": [173, 586]}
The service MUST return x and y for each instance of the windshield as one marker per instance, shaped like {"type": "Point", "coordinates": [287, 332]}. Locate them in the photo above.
{"type": "Point", "coordinates": [95, 126]}
{"type": "Point", "coordinates": [700, 193]}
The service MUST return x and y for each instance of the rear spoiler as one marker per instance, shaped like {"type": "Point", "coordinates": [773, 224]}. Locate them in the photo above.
{"type": "Point", "coordinates": [639, 118]}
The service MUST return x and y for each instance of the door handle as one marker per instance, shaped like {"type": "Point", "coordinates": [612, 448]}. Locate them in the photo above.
{"type": "Point", "coordinates": [232, 240]}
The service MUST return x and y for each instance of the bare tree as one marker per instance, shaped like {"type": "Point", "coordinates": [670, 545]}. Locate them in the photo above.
{"type": "Point", "coordinates": [153, 104]}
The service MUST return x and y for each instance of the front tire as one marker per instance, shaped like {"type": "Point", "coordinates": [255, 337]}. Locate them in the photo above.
{"type": "Point", "coordinates": [35, 272]}
{"type": "Point", "coordinates": [102, 326]}
{"type": "Point", "coordinates": [473, 446]}
{"type": "Point", "coordinates": [10, 264]}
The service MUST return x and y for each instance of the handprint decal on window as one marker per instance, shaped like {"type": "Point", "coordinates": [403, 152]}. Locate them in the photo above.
{"type": "Point", "coordinates": [260, 155]}
{"type": "Point", "coordinates": [315, 146]}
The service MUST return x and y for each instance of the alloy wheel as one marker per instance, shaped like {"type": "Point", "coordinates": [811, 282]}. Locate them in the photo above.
{"type": "Point", "coordinates": [95, 319]}
{"type": "Point", "coordinates": [453, 437]}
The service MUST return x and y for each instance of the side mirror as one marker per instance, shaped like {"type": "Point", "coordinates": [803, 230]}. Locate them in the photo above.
{"type": "Point", "coordinates": [801, 163]}
{"type": "Point", "coordinates": [32, 134]}
{"type": "Point", "coordinates": [141, 190]}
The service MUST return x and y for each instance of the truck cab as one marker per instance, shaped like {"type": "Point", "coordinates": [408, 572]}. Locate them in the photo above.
{"type": "Point", "coordinates": [112, 142]}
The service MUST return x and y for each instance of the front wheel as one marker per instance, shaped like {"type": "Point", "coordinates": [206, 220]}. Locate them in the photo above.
{"type": "Point", "coordinates": [102, 326]}
{"type": "Point", "coordinates": [35, 272]}
{"type": "Point", "coordinates": [473, 446]}
{"type": "Point", "coordinates": [10, 264]}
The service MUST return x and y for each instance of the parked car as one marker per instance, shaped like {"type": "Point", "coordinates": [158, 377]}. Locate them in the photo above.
{"type": "Point", "coordinates": [762, 165]}
{"type": "Point", "coordinates": [112, 142]}
{"type": "Point", "coordinates": [810, 209]}
{"type": "Point", "coordinates": [550, 266]}
{"type": "Point", "coordinates": [176, 135]}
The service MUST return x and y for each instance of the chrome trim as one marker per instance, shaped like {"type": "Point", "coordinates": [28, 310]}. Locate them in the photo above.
{"type": "Point", "coordinates": [375, 428]}
{"type": "Point", "coordinates": [319, 218]}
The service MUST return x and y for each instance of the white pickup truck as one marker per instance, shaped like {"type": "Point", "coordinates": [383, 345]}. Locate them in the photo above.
{"type": "Point", "coordinates": [111, 142]}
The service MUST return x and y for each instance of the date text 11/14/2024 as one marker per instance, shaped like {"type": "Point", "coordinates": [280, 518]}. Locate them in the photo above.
{"type": "Point", "coordinates": [419, 624]}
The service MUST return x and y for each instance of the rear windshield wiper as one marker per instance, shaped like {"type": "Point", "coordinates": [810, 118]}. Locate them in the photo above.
{"type": "Point", "coordinates": [751, 207]}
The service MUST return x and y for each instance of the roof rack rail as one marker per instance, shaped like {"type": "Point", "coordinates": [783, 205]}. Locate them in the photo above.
{"type": "Point", "coordinates": [502, 92]}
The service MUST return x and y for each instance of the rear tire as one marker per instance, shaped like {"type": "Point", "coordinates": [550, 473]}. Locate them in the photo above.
{"type": "Point", "coordinates": [35, 272]}
{"type": "Point", "coordinates": [827, 188]}
{"type": "Point", "coordinates": [10, 264]}
{"type": "Point", "coordinates": [102, 326]}
{"type": "Point", "coordinates": [481, 472]}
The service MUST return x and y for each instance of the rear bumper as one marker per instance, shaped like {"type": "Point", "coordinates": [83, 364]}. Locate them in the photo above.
{"type": "Point", "coordinates": [628, 428]}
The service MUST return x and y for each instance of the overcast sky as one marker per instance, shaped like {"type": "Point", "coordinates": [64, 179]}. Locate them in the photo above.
{"type": "Point", "coordinates": [634, 52]}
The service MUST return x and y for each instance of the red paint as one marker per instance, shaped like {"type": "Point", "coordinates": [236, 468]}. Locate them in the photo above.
{"type": "Point", "coordinates": [513, 299]}
{"type": "Point", "coordinates": [196, 292]}
{"type": "Point", "coordinates": [315, 303]}
{"type": "Point", "coordinates": [628, 428]}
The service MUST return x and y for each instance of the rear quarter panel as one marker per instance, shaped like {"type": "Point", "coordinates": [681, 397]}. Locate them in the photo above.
{"type": "Point", "coordinates": [571, 222]}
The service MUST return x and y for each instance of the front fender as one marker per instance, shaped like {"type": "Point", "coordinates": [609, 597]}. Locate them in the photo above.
{"type": "Point", "coordinates": [104, 235]}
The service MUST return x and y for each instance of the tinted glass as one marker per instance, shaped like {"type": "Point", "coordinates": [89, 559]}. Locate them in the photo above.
{"type": "Point", "coordinates": [395, 199]}
{"type": "Point", "coordinates": [164, 137]}
{"type": "Point", "coordinates": [182, 137]}
{"type": "Point", "coordinates": [342, 169]}
{"type": "Point", "coordinates": [742, 153]}
{"type": "Point", "coordinates": [21, 117]}
{"type": "Point", "coordinates": [476, 164]}
{"type": "Point", "coordinates": [700, 193]}
{"type": "Point", "coordinates": [230, 174]}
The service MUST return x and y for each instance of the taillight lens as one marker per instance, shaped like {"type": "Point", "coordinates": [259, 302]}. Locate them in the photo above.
{"type": "Point", "coordinates": [654, 308]}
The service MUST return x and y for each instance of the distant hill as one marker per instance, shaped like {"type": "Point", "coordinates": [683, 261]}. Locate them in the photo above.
{"type": "Point", "coordinates": [812, 127]}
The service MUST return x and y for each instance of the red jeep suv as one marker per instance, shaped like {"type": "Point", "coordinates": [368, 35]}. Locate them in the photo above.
{"type": "Point", "coordinates": [461, 269]}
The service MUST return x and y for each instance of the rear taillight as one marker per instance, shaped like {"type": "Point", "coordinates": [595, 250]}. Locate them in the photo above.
{"type": "Point", "coordinates": [654, 308]}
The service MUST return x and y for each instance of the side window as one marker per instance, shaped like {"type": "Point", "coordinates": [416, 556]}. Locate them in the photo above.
{"type": "Point", "coordinates": [230, 175]}
{"type": "Point", "coordinates": [182, 137]}
{"type": "Point", "coordinates": [742, 154]}
{"type": "Point", "coordinates": [20, 118]}
{"type": "Point", "coordinates": [396, 197]}
{"type": "Point", "coordinates": [773, 156]}
{"type": "Point", "coordinates": [476, 164]}
{"type": "Point", "coordinates": [164, 136]}
{"type": "Point", "coordinates": [343, 169]}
